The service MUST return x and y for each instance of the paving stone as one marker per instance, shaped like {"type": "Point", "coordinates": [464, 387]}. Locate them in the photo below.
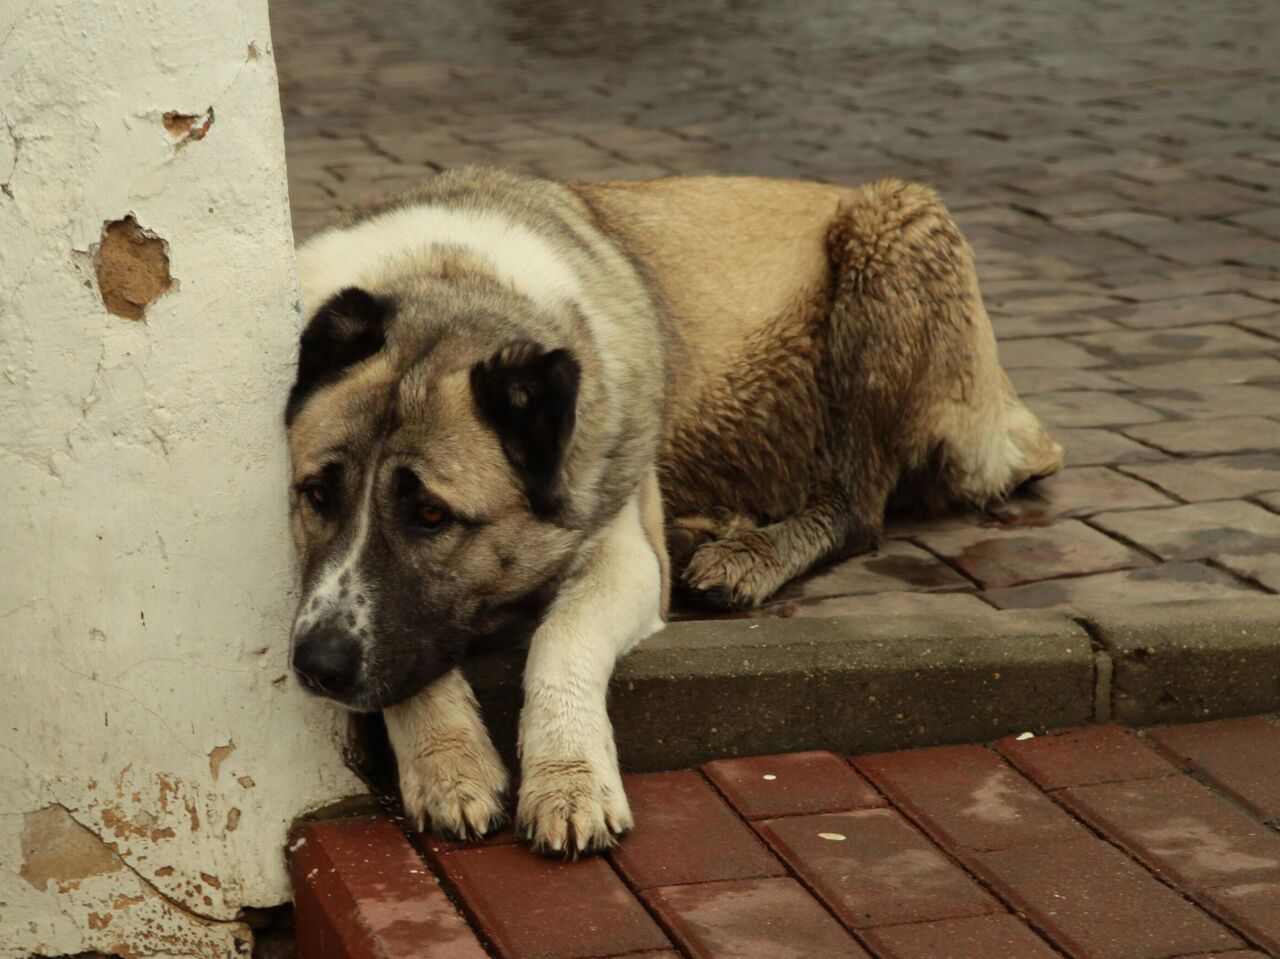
{"type": "Point", "coordinates": [894, 566]}
{"type": "Point", "coordinates": [982, 937]}
{"type": "Point", "coordinates": [1069, 304]}
{"type": "Point", "coordinates": [1253, 908]}
{"type": "Point", "coordinates": [900, 877]}
{"type": "Point", "coordinates": [1261, 568]}
{"type": "Point", "coordinates": [1045, 351]}
{"type": "Point", "coordinates": [1199, 402]}
{"type": "Point", "coordinates": [1210, 372]}
{"type": "Point", "coordinates": [1198, 530]}
{"type": "Point", "coordinates": [1075, 492]}
{"type": "Point", "coordinates": [1222, 659]}
{"type": "Point", "coordinates": [1265, 325]}
{"type": "Point", "coordinates": [1172, 582]}
{"type": "Point", "coordinates": [1013, 324]}
{"type": "Point", "coordinates": [751, 919]}
{"type": "Point", "coordinates": [1213, 478]}
{"type": "Point", "coordinates": [1004, 557]}
{"type": "Point", "coordinates": [1090, 447]}
{"type": "Point", "coordinates": [967, 797]}
{"type": "Point", "coordinates": [791, 784]}
{"type": "Point", "coordinates": [1079, 757]}
{"type": "Point", "coordinates": [878, 604]}
{"type": "Point", "coordinates": [1096, 903]}
{"type": "Point", "coordinates": [530, 907]}
{"type": "Point", "coordinates": [1198, 437]}
{"type": "Point", "coordinates": [1181, 829]}
{"type": "Point", "coordinates": [346, 909]}
{"type": "Point", "coordinates": [1183, 343]}
{"type": "Point", "coordinates": [1031, 380]}
{"type": "Point", "coordinates": [1191, 311]}
{"type": "Point", "coordinates": [1241, 757]}
{"type": "Point", "coordinates": [1068, 408]}
{"type": "Point", "coordinates": [685, 832]}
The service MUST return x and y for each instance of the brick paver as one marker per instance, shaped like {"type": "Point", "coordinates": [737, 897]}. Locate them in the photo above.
{"type": "Point", "coordinates": [1086, 843]}
{"type": "Point", "coordinates": [1240, 757]}
{"type": "Point", "coordinates": [1114, 165]}
{"type": "Point", "coordinates": [900, 876]}
{"type": "Point", "coordinates": [685, 833]}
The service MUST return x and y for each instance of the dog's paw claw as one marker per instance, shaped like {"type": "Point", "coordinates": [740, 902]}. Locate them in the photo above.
{"type": "Point", "coordinates": [568, 809]}
{"type": "Point", "coordinates": [455, 792]}
{"type": "Point", "coordinates": [729, 574]}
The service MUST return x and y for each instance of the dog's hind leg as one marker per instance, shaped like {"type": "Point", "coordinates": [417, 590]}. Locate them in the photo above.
{"type": "Point", "coordinates": [451, 778]}
{"type": "Point", "coordinates": [748, 564]}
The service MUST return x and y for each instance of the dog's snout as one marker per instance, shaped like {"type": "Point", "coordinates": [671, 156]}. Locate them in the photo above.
{"type": "Point", "coordinates": [328, 661]}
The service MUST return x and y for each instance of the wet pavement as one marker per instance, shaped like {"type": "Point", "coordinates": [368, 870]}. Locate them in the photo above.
{"type": "Point", "coordinates": [1116, 167]}
{"type": "Point", "coordinates": [1092, 844]}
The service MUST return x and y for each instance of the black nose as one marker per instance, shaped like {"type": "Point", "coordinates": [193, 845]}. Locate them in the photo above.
{"type": "Point", "coordinates": [328, 660]}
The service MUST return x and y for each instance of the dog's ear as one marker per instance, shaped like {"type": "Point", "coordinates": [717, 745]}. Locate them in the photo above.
{"type": "Point", "coordinates": [529, 396]}
{"type": "Point", "coordinates": [351, 326]}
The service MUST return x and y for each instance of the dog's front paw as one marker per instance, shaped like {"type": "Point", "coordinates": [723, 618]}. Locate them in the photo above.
{"type": "Point", "coordinates": [454, 785]}
{"type": "Point", "coordinates": [738, 572]}
{"type": "Point", "coordinates": [569, 808]}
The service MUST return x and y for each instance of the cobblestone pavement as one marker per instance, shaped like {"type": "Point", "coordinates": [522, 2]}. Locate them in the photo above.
{"type": "Point", "coordinates": [1116, 166]}
{"type": "Point", "coordinates": [1093, 844]}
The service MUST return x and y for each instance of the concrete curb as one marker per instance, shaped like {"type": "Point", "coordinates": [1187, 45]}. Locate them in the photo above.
{"type": "Point", "coordinates": [707, 689]}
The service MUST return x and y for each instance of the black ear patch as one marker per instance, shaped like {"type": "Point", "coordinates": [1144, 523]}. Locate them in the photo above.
{"type": "Point", "coordinates": [350, 327]}
{"type": "Point", "coordinates": [529, 395]}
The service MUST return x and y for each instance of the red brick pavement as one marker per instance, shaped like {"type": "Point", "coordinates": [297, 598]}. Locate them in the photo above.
{"type": "Point", "coordinates": [1096, 843]}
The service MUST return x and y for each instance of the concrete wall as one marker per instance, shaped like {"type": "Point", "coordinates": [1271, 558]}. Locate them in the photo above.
{"type": "Point", "coordinates": [153, 747]}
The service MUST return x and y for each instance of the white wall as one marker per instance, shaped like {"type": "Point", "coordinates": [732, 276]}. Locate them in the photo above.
{"type": "Point", "coordinates": [153, 748]}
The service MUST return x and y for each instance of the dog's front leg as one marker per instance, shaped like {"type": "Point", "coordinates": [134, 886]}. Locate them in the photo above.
{"type": "Point", "coordinates": [571, 798]}
{"type": "Point", "coordinates": [451, 777]}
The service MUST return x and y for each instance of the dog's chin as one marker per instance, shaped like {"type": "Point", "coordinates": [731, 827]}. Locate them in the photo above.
{"type": "Point", "coordinates": [375, 696]}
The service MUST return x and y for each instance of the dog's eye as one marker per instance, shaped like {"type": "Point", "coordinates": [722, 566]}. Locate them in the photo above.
{"type": "Point", "coordinates": [318, 496]}
{"type": "Point", "coordinates": [430, 517]}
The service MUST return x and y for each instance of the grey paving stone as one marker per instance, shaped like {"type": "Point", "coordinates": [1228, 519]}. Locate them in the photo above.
{"type": "Point", "coordinates": [1209, 372]}
{"type": "Point", "coordinates": [1188, 311]}
{"type": "Point", "coordinates": [895, 566]}
{"type": "Point", "coordinates": [1213, 478]}
{"type": "Point", "coordinates": [1196, 402]}
{"type": "Point", "coordinates": [1236, 434]}
{"type": "Point", "coordinates": [1031, 380]}
{"type": "Point", "coordinates": [1089, 408]}
{"type": "Point", "coordinates": [1187, 342]}
{"type": "Point", "coordinates": [1171, 582]}
{"type": "Point", "coordinates": [1075, 492]}
{"type": "Point", "coordinates": [1003, 556]}
{"type": "Point", "coordinates": [1186, 662]}
{"type": "Point", "coordinates": [1088, 447]}
{"type": "Point", "coordinates": [1045, 351]}
{"type": "Point", "coordinates": [1198, 530]}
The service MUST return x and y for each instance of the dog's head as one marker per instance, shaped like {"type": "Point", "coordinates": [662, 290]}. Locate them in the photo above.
{"type": "Point", "coordinates": [428, 441]}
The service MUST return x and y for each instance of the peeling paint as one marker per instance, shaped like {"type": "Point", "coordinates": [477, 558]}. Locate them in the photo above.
{"type": "Point", "coordinates": [132, 267]}
{"type": "Point", "coordinates": [186, 127]}
{"type": "Point", "coordinates": [56, 848]}
{"type": "Point", "coordinates": [218, 755]}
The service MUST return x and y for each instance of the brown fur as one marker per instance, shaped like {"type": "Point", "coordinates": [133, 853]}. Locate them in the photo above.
{"type": "Point", "coordinates": [822, 343]}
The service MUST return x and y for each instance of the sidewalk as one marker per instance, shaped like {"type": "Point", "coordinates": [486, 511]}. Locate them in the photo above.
{"type": "Point", "coordinates": [1092, 844]}
{"type": "Point", "coordinates": [1116, 167]}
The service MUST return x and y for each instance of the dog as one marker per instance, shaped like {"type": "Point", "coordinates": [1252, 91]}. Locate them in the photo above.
{"type": "Point", "coordinates": [525, 410]}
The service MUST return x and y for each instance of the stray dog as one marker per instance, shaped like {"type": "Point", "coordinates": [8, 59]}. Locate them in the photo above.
{"type": "Point", "coordinates": [523, 410]}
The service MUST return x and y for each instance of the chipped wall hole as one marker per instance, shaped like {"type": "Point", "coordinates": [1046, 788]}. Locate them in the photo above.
{"type": "Point", "coordinates": [133, 268]}
{"type": "Point", "coordinates": [184, 127]}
